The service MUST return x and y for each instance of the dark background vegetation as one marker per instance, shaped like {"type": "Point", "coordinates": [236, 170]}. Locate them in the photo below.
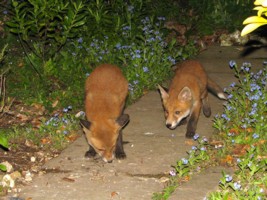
{"type": "Point", "coordinates": [48, 64]}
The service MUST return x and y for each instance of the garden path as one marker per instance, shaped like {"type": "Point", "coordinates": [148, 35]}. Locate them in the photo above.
{"type": "Point", "coordinates": [151, 149]}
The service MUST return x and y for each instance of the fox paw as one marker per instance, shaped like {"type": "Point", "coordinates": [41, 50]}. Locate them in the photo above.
{"type": "Point", "coordinates": [120, 155]}
{"type": "Point", "coordinates": [189, 134]}
{"type": "Point", "coordinates": [90, 154]}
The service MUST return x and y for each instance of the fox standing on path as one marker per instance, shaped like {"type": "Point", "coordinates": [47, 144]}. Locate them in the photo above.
{"type": "Point", "coordinates": [188, 93]}
{"type": "Point", "coordinates": [105, 93]}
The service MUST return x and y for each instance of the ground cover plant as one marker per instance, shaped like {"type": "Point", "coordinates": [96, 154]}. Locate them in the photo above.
{"type": "Point", "coordinates": [240, 143]}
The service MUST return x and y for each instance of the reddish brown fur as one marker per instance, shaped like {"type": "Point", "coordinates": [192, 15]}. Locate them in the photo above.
{"type": "Point", "coordinates": [188, 93]}
{"type": "Point", "coordinates": [105, 93]}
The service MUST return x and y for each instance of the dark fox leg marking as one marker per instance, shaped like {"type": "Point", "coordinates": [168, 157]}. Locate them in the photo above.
{"type": "Point", "coordinates": [90, 153]}
{"type": "Point", "coordinates": [206, 107]}
{"type": "Point", "coordinates": [119, 151]}
{"type": "Point", "coordinates": [193, 119]}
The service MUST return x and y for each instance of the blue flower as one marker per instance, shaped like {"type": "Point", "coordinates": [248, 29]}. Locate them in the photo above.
{"type": "Point", "coordinates": [161, 18]}
{"type": "Point", "coordinates": [230, 96]}
{"type": "Point", "coordinates": [172, 173]}
{"type": "Point", "coordinates": [255, 136]}
{"type": "Point", "coordinates": [228, 178]}
{"type": "Point", "coordinates": [203, 149]}
{"type": "Point", "coordinates": [80, 40]}
{"type": "Point", "coordinates": [145, 69]}
{"type": "Point", "coordinates": [196, 136]}
{"type": "Point", "coordinates": [237, 186]}
{"type": "Point", "coordinates": [232, 64]}
{"type": "Point", "coordinates": [135, 82]}
{"type": "Point", "coordinates": [224, 116]}
{"type": "Point", "coordinates": [185, 161]}
{"type": "Point", "coordinates": [194, 148]}
{"type": "Point", "coordinates": [65, 132]}
{"type": "Point", "coordinates": [118, 46]}
{"type": "Point", "coordinates": [205, 139]}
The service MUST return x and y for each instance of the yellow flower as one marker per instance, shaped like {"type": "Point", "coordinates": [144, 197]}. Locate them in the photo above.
{"type": "Point", "coordinates": [261, 2]}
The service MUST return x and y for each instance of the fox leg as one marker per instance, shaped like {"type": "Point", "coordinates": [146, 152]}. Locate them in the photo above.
{"type": "Point", "coordinates": [193, 119]}
{"type": "Point", "coordinates": [206, 105]}
{"type": "Point", "coordinates": [90, 153]}
{"type": "Point", "coordinates": [119, 151]}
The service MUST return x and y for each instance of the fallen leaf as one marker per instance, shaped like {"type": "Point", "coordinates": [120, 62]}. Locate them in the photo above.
{"type": "Point", "coordinates": [72, 137]}
{"type": "Point", "coordinates": [240, 149]}
{"type": "Point", "coordinates": [113, 194]}
{"type": "Point", "coordinates": [234, 131]}
{"type": "Point", "coordinates": [46, 140]}
{"type": "Point", "coordinates": [54, 104]}
{"type": "Point", "coordinates": [228, 159]}
{"type": "Point", "coordinates": [22, 117]}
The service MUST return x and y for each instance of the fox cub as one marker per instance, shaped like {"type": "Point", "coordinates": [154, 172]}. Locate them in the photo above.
{"type": "Point", "coordinates": [188, 93]}
{"type": "Point", "coordinates": [105, 93]}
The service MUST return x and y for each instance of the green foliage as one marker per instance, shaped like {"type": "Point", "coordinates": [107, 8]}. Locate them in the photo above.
{"type": "Point", "coordinates": [43, 27]}
{"type": "Point", "coordinates": [198, 157]}
{"type": "Point", "coordinates": [136, 44]}
{"type": "Point", "coordinates": [206, 16]}
{"type": "Point", "coordinates": [3, 139]}
{"type": "Point", "coordinates": [243, 124]}
{"type": "Point", "coordinates": [53, 133]}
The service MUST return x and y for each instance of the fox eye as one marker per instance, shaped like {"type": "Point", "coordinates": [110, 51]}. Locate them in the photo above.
{"type": "Point", "coordinates": [177, 112]}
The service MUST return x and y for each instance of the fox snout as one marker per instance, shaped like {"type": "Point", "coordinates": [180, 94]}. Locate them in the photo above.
{"type": "Point", "coordinates": [172, 125]}
{"type": "Point", "coordinates": [108, 160]}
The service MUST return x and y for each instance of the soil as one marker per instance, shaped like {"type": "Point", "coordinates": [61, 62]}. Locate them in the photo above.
{"type": "Point", "coordinates": [23, 155]}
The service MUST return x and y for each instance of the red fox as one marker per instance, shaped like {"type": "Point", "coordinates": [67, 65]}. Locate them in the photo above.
{"type": "Point", "coordinates": [105, 92]}
{"type": "Point", "coordinates": [188, 93]}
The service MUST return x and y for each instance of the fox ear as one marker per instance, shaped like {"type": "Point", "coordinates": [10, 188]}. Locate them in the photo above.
{"type": "Point", "coordinates": [185, 94]}
{"type": "Point", "coordinates": [163, 92]}
{"type": "Point", "coordinates": [85, 124]}
{"type": "Point", "coordinates": [123, 120]}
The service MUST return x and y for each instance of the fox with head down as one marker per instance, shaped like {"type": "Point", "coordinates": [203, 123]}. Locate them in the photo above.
{"type": "Point", "coordinates": [106, 90]}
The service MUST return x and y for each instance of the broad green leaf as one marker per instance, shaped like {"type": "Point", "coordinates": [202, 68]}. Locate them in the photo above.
{"type": "Point", "coordinates": [2, 168]}
{"type": "Point", "coordinates": [255, 19]}
{"type": "Point", "coordinates": [251, 27]}
{"type": "Point", "coordinates": [3, 141]}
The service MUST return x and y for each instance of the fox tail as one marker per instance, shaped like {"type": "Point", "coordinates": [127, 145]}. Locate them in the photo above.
{"type": "Point", "coordinates": [216, 89]}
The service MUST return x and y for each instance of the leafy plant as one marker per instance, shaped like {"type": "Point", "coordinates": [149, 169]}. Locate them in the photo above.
{"type": "Point", "coordinates": [3, 139]}
{"type": "Point", "coordinates": [43, 27]}
{"type": "Point", "coordinates": [243, 129]}
{"type": "Point", "coordinates": [198, 158]}
{"type": "Point", "coordinates": [255, 22]}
